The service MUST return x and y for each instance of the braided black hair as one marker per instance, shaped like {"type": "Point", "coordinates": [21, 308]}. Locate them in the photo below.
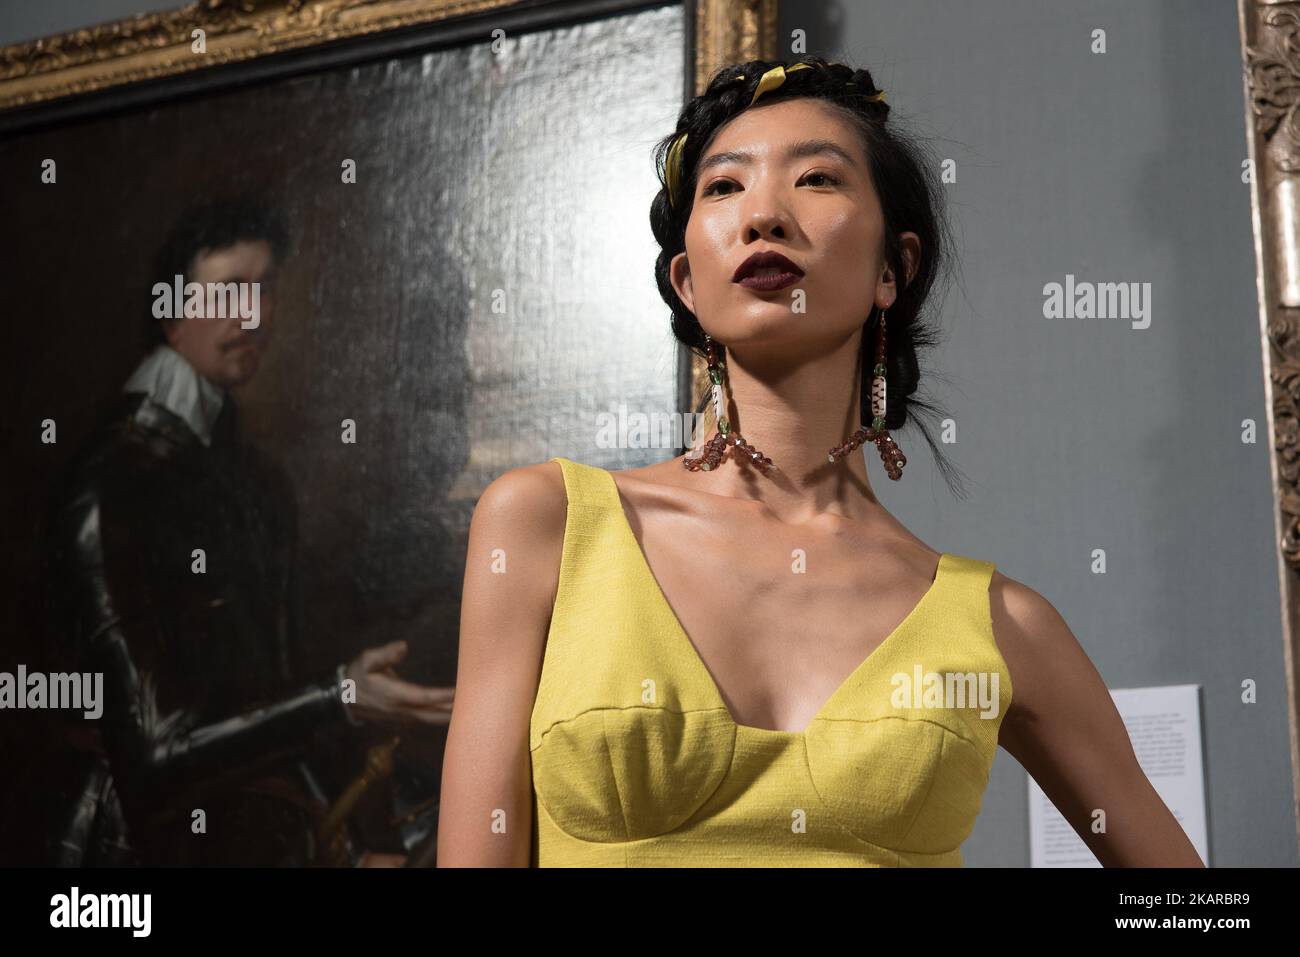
{"type": "Point", "coordinates": [906, 180]}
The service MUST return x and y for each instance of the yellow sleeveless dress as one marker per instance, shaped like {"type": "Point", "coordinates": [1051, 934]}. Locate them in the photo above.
{"type": "Point", "coordinates": [636, 761]}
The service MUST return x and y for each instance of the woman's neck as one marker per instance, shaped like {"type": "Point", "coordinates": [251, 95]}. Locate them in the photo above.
{"type": "Point", "coordinates": [794, 414]}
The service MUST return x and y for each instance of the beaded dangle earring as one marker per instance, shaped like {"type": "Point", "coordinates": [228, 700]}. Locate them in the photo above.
{"type": "Point", "coordinates": [707, 456]}
{"type": "Point", "coordinates": [890, 453]}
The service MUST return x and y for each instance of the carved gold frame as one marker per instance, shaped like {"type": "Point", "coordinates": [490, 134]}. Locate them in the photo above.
{"type": "Point", "coordinates": [154, 46]}
{"type": "Point", "coordinates": [1270, 43]}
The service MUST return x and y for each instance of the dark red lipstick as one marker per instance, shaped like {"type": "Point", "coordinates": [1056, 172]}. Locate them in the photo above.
{"type": "Point", "coordinates": [767, 270]}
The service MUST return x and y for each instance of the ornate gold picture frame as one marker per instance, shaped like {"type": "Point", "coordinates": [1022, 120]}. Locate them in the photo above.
{"type": "Point", "coordinates": [213, 33]}
{"type": "Point", "coordinates": [1270, 32]}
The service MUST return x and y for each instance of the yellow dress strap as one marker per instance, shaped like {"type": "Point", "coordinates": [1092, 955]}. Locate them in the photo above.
{"type": "Point", "coordinates": [957, 636]}
{"type": "Point", "coordinates": [968, 579]}
{"type": "Point", "coordinates": [613, 641]}
{"type": "Point", "coordinates": [586, 485]}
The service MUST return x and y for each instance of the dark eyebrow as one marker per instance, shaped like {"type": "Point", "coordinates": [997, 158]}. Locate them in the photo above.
{"type": "Point", "coordinates": [799, 150]}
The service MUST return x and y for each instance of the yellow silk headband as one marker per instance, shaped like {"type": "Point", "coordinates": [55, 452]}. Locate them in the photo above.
{"type": "Point", "coordinates": [769, 81]}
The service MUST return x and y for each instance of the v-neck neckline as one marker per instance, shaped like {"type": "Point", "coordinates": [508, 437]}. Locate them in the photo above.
{"type": "Point", "coordinates": [692, 654]}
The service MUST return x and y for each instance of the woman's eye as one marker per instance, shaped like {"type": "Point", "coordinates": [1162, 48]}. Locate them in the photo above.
{"type": "Point", "coordinates": [826, 178]}
{"type": "Point", "coordinates": [830, 180]}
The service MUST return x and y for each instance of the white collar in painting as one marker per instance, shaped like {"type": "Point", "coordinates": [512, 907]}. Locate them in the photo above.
{"type": "Point", "coordinates": [172, 382]}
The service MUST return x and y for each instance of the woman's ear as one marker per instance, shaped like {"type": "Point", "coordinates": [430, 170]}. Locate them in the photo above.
{"type": "Point", "coordinates": [911, 246]}
{"type": "Point", "coordinates": [679, 274]}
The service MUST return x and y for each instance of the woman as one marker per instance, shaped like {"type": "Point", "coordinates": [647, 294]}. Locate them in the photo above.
{"type": "Point", "coordinates": [748, 660]}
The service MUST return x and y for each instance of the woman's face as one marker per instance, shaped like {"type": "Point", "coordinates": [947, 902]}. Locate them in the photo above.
{"type": "Point", "coordinates": [790, 177]}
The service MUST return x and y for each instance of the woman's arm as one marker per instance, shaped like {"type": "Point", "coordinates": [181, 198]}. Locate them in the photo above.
{"type": "Point", "coordinates": [512, 568]}
{"type": "Point", "coordinates": [1064, 729]}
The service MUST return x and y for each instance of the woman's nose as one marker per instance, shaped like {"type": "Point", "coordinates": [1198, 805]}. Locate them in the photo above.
{"type": "Point", "coordinates": [766, 213]}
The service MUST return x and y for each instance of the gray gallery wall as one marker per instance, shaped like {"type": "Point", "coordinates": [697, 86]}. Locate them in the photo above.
{"type": "Point", "coordinates": [1082, 434]}
{"type": "Point", "coordinates": [30, 19]}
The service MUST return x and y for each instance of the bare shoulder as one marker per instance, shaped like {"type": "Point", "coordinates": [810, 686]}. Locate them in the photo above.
{"type": "Point", "coordinates": [518, 529]}
{"type": "Point", "coordinates": [657, 477]}
{"type": "Point", "coordinates": [1021, 615]}
{"type": "Point", "coordinates": [1038, 646]}
{"type": "Point", "coordinates": [660, 489]}
{"type": "Point", "coordinates": [530, 497]}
